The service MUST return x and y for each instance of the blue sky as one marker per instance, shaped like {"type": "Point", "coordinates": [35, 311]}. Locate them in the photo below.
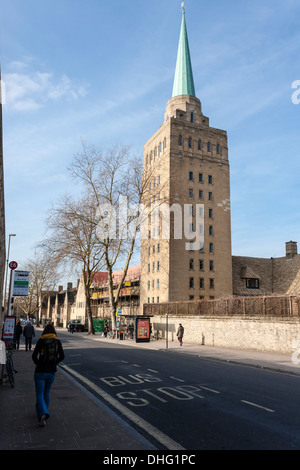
{"type": "Point", "coordinates": [102, 71]}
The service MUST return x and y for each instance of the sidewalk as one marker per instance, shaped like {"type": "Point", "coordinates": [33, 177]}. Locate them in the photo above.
{"type": "Point", "coordinates": [81, 422]}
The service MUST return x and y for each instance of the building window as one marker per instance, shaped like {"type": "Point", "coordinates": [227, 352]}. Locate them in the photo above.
{"type": "Point", "coordinates": [211, 265]}
{"type": "Point", "coordinates": [208, 146]}
{"type": "Point", "coordinates": [153, 284]}
{"type": "Point", "coordinates": [153, 300]}
{"type": "Point", "coordinates": [191, 193]}
{"type": "Point", "coordinates": [200, 194]}
{"type": "Point", "coordinates": [210, 196]}
{"type": "Point", "coordinates": [157, 300]}
{"type": "Point", "coordinates": [211, 247]}
{"type": "Point", "coordinates": [165, 142]}
{"type": "Point", "coordinates": [200, 177]}
{"type": "Point", "coordinates": [252, 283]}
{"type": "Point", "coordinates": [210, 179]}
{"type": "Point", "coordinates": [148, 285]}
{"type": "Point", "coordinates": [218, 149]}
{"type": "Point", "coordinates": [199, 144]}
{"type": "Point", "coordinates": [157, 283]}
{"type": "Point", "coordinates": [192, 117]}
{"type": "Point", "coordinates": [201, 283]}
{"type": "Point", "coordinates": [190, 142]}
{"type": "Point", "coordinates": [158, 266]}
{"type": "Point", "coordinates": [158, 247]}
{"type": "Point", "coordinates": [148, 300]}
{"type": "Point", "coordinates": [180, 140]}
{"type": "Point", "coordinates": [192, 297]}
{"type": "Point", "coordinates": [210, 213]}
{"type": "Point", "coordinates": [201, 265]}
{"type": "Point", "coordinates": [191, 283]}
{"type": "Point", "coordinates": [211, 230]}
{"type": "Point", "coordinates": [191, 264]}
{"type": "Point", "coordinates": [211, 283]}
{"type": "Point", "coordinates": [149, 268]}
{"type": "Point", "coordinates": [191, 176]}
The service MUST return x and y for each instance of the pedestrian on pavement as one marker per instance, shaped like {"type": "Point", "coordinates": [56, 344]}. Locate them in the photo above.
{"type": "Point", "coordinates": [19, 331]}
{"type": "Point", "coordinates": [47, 353]}
{"type": "Point", "coordinates": [28, 333]}
{"type": "Point", "coordinates": [180, 333]}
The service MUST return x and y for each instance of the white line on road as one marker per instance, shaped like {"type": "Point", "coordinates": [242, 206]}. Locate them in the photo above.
{"type": "Point", "coordinates": [209, 389]}
{"type": "Point", "coordinates": [258, 406]}
{"type": "Point", "coordinates": [175, 378]}
{"type": "Point", "coordinates": [151, 430]}
{"type": "Point", "coordinates": [154, 371]}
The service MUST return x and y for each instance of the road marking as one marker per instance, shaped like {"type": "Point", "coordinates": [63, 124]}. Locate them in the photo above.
{"type": "Point", "coordinates": [151, 430]}
{"type": "Point", "coordinates": [152, 370]}
{"type": "Point", "coordinates": [175, 378]}
{"type": "Point", "coordinates": [258, 406]}
{"type": "Point", "coordinates": [75, 364]}
{"type": "Point", "coordinates": [209, 389]}
{"type": "Point", "coordinates": [136, 365]}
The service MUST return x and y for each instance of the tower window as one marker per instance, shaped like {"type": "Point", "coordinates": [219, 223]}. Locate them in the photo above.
{"type": "Point", "coordinates": [211, 230]}
{"type": "Point", "coordinates": [211, 283]}
{"type": "Point", "coordinates": [210, 197]}
{"type": "Point", "coordinates": [218, 149]}
{"type": "Point", "coordinates": [191, 176]}
{"type": "Point", "coordinates": [191, 283]}
{"type": "Point", "coordinates": [199, 144]}
{"type": "Point", "coordinates": [208, 146]}
{"type": "Point", "coordinates": [210, 179]}
{"type": "Point", "coordinates": [200, 194]}
{"type": "Point", "coordinates": [210, 213]}
{"type": "Point", "coordinates": [211, 247]}
{"type": "Point", "coordinates": [180, 140]}
{"type": "Point", "coordinates": [192, 117]}
{"type": "Point", "coordinates": [191, 264]}
{"type": "Point", "coordinates": [211, 265]}
{"type": "Point", "coordinates": [190, 142]}
{"type": "Point", "coordinates": [200, 177]}
{"type": "Point", "coordinates": [201, 283]}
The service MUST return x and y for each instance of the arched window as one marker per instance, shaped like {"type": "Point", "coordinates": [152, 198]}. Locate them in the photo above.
{"type": "Point", "coordinates": [180, 140]}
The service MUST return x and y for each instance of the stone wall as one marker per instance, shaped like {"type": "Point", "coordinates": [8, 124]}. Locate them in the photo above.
{"type": "Point", "coordinates": [262, 323]}
{"type": "Point", "coordinates": [261, 334]}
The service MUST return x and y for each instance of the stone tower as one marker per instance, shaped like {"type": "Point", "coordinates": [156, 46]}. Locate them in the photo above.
{"type": "Point", "coordinates": [187, 161]}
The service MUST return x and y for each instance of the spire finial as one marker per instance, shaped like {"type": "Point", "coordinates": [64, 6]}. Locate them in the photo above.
{"type": "Point", "coordinates": [183, 7]}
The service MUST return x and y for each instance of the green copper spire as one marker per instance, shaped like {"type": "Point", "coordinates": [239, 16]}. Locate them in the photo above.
{"type": "Point", "coordinates": [183, 81]}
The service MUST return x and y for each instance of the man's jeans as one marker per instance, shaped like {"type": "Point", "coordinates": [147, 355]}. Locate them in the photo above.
{"type": "Point", "coordinates": [43, 383]}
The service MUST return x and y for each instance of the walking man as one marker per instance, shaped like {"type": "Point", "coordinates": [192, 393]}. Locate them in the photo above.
{"type": "Point", "coordinates": [180, 333]}
{"type": "Point", "coordinates": [28, 333]}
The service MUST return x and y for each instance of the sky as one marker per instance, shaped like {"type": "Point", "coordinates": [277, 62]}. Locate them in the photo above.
{"type": "Point", "coordinates": [102, 72]}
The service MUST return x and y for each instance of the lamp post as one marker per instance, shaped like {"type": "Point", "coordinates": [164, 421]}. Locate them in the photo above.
{"type": "Point", "coordinates": [7, 261]}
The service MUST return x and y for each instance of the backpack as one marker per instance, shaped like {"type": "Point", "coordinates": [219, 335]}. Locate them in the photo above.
{"type": "Point", "coordinates": [50, 350]}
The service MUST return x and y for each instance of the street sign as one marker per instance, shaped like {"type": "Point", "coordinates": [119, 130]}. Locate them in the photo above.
{"type": "Point", "coordinates": [21, 283]}
{"type": "Point", "coordinates": [13, 265]}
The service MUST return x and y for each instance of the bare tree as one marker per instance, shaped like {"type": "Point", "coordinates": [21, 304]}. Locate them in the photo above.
{"type": "Point", "coordinates": [115, 180]}
{"type": "Point", "coordinates": [43, 277]}
{"type": "Point", "coordinates": [72, 224]}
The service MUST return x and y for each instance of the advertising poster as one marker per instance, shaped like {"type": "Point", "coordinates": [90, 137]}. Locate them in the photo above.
{"type": "Point", "coordinates": [9, 329]}
{"type": "Point", "coordinates": [142, 329]}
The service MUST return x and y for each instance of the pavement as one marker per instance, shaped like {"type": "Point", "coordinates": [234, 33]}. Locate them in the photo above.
{"type": "Point", "coordinates": [80, 421]}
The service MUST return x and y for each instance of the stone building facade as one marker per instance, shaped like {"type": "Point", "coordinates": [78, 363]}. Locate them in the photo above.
{"type": "Point", "coordinates": [189, 159]}
{"type": "Point", "coordinates": [267, 276]}
{"type": "Point", "coordinates": [2, 213]}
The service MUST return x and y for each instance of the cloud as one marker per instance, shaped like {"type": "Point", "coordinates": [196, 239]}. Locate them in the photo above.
{"type": "Point", "coordinates": [32, 90]}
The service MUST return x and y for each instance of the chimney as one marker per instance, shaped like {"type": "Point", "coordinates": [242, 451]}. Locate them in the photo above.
{"type": "Point", "coordinates": [291, 249]}
{"type": "Point", "coordinates": [60, 288]}
{"type": "Point", "coordinates": [70, 285]}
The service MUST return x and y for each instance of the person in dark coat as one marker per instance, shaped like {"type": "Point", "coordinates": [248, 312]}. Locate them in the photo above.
{"type": "Point", "coordinates": [19, 331]}
{"type": "Point", "coordinates": [47, 353]}
{"type": "Point", "coordinates": [28, 333]}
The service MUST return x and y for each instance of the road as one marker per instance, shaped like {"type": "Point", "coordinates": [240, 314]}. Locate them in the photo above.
{"type": "Point", "coordinates": [181, 402]}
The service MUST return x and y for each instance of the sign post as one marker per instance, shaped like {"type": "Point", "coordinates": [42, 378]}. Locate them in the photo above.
{"type": "Point", "coordinates": [12, 265]}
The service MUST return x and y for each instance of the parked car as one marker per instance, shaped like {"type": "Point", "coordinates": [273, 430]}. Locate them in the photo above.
{"type": "Point", "coordinates": [76, 325]}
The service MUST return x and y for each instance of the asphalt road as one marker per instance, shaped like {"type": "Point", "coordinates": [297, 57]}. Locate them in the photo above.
{"type": "Point", "coordinates": [183, 402]}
